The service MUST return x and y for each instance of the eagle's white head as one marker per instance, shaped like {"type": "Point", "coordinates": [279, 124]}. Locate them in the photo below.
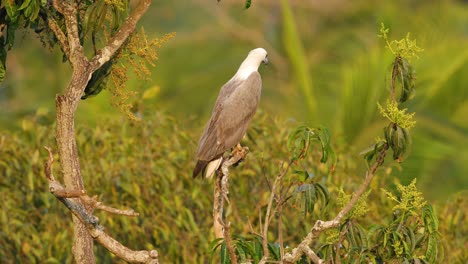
{"type": "Point", "coordinates": [252, 62]}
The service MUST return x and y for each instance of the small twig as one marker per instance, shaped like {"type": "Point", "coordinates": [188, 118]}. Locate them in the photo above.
{"type": "Point", "coordinates": [92, 222]}
{"type": "Point", "coordinates": [2, 26]}
{"type": "Point", "coordinates": [321, 226]}
{"type": "Point", "coordinates": [54, 186]}
{"type": "Point", "coordinates": [311, 255]}
{"type": "Point", "coordinates": [269, 213]}
{"type": "Point", "coordinates": [268, 180]}
{"type": "Point", "coordinates": [218, 202]}
{"type": "Point", "coordinates": [93, 203]}
{"type": "Point", "coordinates": [62, 39]}
{"type": "Point", "coordinates": [227, 238]}
{"type": "Point", "coordinates": [252, 231]}
{"type": "Point", "coordinates": [60, 192]}
{"type": "Point", "coordinates": [280, 232]}
{"type": "Point", "coordinates": [260, 222]}
{"type": "Point", "coordinates": [48, 165]}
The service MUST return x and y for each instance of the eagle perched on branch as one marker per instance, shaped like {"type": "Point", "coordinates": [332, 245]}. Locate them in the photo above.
{"type": "Point", "coordinates": [236, 104]}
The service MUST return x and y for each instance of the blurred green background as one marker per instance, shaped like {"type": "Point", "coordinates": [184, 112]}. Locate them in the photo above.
{"type": "Point", "coordinates": [327, 67]}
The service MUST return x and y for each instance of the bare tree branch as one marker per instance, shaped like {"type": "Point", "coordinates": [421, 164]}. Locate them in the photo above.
{"type": "Point", "coordinates": [92, 223]}
{"type": "Point", "coordinates": [228, 240]}
{"type": "Point", "coordinates": [86, 225]}
{"type": "Point", "coordinates": [221, 190]}
{"type": "Point", "coordinates": [127, 28]}
{"type": "Point", "coordinates": [320, 226]}
{"type": "Point", "coordinates": [311, 255]}
{"type": "Point", "coordinates": [69, 10]}
{"type": "Point", "coordinates": [92, 202]}
{"type": "Point", "coordinates": [269, 213]}
{"type": "Point", "coordinates": [2, 26]}
{"type": "Point", "coordinates": [62, 39]}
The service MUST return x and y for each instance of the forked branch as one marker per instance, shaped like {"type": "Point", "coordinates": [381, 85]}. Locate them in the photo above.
{"type": "Point", "coordinates": [221, 191]}
{"type": "Point", "coordinates": [320, 226]}
{"type": "Point", "coordinates": [271, 212]}
{"type": "Point", "coordinates": [92, 222]}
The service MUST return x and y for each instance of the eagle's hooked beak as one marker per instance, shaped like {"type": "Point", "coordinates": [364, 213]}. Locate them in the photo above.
{"type": "Point", "coordinates": [265, 61]}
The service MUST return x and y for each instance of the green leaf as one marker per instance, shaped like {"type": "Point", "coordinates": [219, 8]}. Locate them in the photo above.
{"type": "Point", "coordinates": [274, 251]}
{"type": "Point", "coordinates": [98, 80]}
{"type": "Point", "coordinates": [25, 4]}
{"type": "Point", "coordinates": [323, 191]}
{"type": "Point", "coordinates": [11, 9]}
{"type": "Point", "coordinates": [10, 34]}
{"type": "Point", "coordinates": [214, 245]}
{"type": "Point", "coordinates": [306, 175]}
{"type": "Point", "coordinates": [298, 142]}
{"type": "Point", "coordinates": [324, 137]}
{"type": "Point", "coordinates": [2, 62]}
{"type": "Point", "coordinates": [431, 250]}
{"type": "Point", "coordinates": [224, 254]}
{"type": "Point", "coordinates": [35, 10]}
{"type": "Point", "coordinates": [404, 74]}
{"type": "Point", "coordinates": [399, 140]}
{"type": "Point", "coordinates": [364, 241]}
{"type": "Point", "coordinates": [371, 151]}
{"type": "Point", "coordinates": [430, 219]}
{"type": "Point", "coordinates": [385, 238]}
{"type": "Point", "coordinates": [306, 196]}
{"type": "Point", "coordinates": [241, 252]}
{"type": "Point", "coordinates": [247, 4]}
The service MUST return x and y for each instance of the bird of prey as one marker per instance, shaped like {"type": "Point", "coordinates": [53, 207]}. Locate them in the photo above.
{"type": "Point", "coordinates": [236, 104]}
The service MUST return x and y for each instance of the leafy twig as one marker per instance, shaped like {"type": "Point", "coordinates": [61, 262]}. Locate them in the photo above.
{"type": "Point", "coordinates": [320, 226]}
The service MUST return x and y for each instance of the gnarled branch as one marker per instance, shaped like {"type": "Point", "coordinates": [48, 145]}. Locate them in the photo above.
{"type": "Point", "coordinates": [94, 203]}
{"type": "Point", "coordinates": [221, 190]}
{"type": "Point", "coordinates": [92, 222]}
{"type": "Point", "coordinates": [69, 10]}
{"type": "Point", "coordinates": [320, 226]}
{"type": "Point", "coordinates": [62, 39]}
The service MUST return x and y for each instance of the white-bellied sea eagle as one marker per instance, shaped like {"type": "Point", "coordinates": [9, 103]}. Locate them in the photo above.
{"type": "Point", "coordinates": [236, 104]}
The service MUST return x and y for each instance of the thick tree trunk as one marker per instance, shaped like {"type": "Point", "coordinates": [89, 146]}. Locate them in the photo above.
{"type": "Point", "coordinates": [66, 105]}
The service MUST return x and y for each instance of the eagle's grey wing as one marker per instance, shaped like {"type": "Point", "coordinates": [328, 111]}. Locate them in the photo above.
{"type": "Point", "coordinates": [234, 108]}
{"type": "Point", "coordinates": [208, 148]}
{"type": "Point", "coordinates": [238, 110]}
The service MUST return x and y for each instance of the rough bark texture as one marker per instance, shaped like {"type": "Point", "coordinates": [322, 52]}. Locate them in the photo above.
{"type": "Point", "coordinates": [221, 191]}
{"type": "Point", "coordinates": [91, 222]}
{"type": "Point", "coordinates": [67, 104]}
{"type": "Point", "coordinates": [66, 144]}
